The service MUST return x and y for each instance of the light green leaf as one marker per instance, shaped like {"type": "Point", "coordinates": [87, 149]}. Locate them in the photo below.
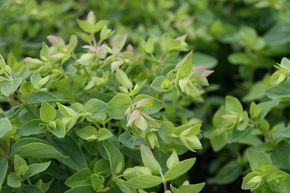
{"type": "Point", "coordinates": [118, 105]}
{"type": "Point", "coordinates": [149, 160]}
{"type": "Point", "coordinates": [123, 79]}
{"type": "Point", "coordinates": [148, 46]}
{"type": "Point", "coordinates": [5, 127]}
{"type": "Point", "coordinates": [37, 168]}
{"type": "Point", "coordinates": [152, 106]}
{"type": "Point", "coordinates": [161, 84]}
{"type": "Point", "coordinates": [172, 160]}
{"type": "Point", "coordinates": [102, 167]}
{"type": "Point", "coordinates": [97, 182]}
{"type": "Point", "coordinates": [86, 26]}
{"type": "Point", "coordinates": [87, 59]}
{"type": "Point", "coordinates": [191, 188]}
{"type": "Point", "coordinates": [184, 67]}
{"type": "Point", "coordinates": [118, 42]}
{"type": "Point", "coordinates": [58, 129]}
{"type": "Point", "coordinates": [66, 111]}
{"type": "Point", "coordinates": [233, 105]}
{"type": "Point", "coordinates": [96, 109]}
{"type": "Point", "coordinates": [20, 166]}
{"type": "Point", "coordinates": [179, 169]}
{"type": "Point", "coordinates": [73, 42]}
{"type": "Point", "coordinates": [104, 134]}
{"type": "Point", "coordinates": [9, 87]}
{"type": "Point", "coordinates": [47, 112]}
{"type": "Point", "coordinates": [13, 180]}
{"type": "Point", "coordinates": [80, 178]}
{"type": "Point", "coordinates": [88, 133]}
{"type": "Point", "coordinates": [145, 181]}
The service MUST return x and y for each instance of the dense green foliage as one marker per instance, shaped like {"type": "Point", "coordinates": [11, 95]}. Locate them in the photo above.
{"type": "Point", "coordinates": [113, 96]}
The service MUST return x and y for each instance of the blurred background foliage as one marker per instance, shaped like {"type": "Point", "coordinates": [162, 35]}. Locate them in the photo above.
{"type": "Point", "coordinates": [240, 39]}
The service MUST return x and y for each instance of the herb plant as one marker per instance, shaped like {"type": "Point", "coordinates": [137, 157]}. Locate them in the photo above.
{"type": "Point", "coordinates": [121, 98]}
{"type": "Point", "coordinates": [97, 116]}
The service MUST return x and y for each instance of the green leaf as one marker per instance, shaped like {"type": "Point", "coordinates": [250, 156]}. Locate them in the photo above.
{"type": "Point", "coordinates": [123, 79]}
{"type": "Point", "coordinates": [43, 96]}
{"type": "Point", "coordinates": [152, 107]}
{"type": "Point", "coordinates": [118, 105]}
{"type": "Point", "coordinates": [86, 26]}
{"type": "Point", "coordinates": [257, 157]}
{"type": "Point", "coordinates": [218, 139]}
{"type": "Point", "coordinates": [29, 189]}
{"type": "Point", "coordinates": [9, 87]}
{"type": "Point", "coordinates": [99, 25]}
{"type": "Point", "coordinates": [58, 129]}
{"type": "Point", "coordinates": [73, 42]}
{"type": "Point", "coordinates": [118, 42]}
{"type": "Point", "coordinates": [145, 181]}
{"type": "Point", "coordinates": [47, 112]}
{"type": "Point", "coordinates": [13, 180]}
{"type": "Point", "coordinates": [81, 189]}
{"type": "Point", "coordinates": [255, 110]}
{"type": "Point", "coordinates": [204, 60]}
{"type": "Point", "coordinates": [38, 150]}
{"type": "Point", "coordinates": [184, 67]}
{"type": "Point", "coordinates": [3, 170]}
{"type": "Point", "coordinates": [104, 134]}
{"type": "Point", "coordinates": [97, 182]}
{"type": "Point", "coordinates": [75, 157]}
{"type": "Point", "coordinates": [32, 127]}
{"type": "Point", "coordinates": [136, 171]}
{"type": "Point", "coordinates": [228, 173]}
{"type": "Point", "coordinates": [66, 111]}
{"type": "Point", "coordinates": [172, 160]}
{"type": "Point", "coordinates": [123, 186]}
{"type": "Point", "coordinates": [148, 46]}
{"type": "Point", "coordinates": [179, 169]}
{"type": "Point", "coordinates": [87, 59]}
{"type": "Point", "coordinates": [5, 127]}
{"type": "Point", "coordinates": [37, 168]}
{"type": "Point", "coordinates": [20, 166]}
{"type": "Point", "coordinates": [149, 160]}
{"type": "Point", "coordinates": [88, 133]}
{"type": "Point", "coordinates": [130, 141]}
{"type": "Point", "coordinates": [80, 178]}
{"type": "Point", "coordinates": [280, 92]}
{"type": "Point", "coordinates": [115, 157]}
{"type": "Point", "coordinates": [96, 109]}
{"type": "Point", "coordinates": [102, 167]}
{"type": "Point", "coordinates": [191, 188]}
{"type": "Point", "coordinates": [233, 105]}
{"type": "Point", "coordinates": [266, 107]}
{"type": "Point", "coordinates": [161, 84]}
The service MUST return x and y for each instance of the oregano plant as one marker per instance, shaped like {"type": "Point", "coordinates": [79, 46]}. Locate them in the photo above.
{"type": "Point", "coordinates": [264, 162]}
{"type": "Point", "coordinates": [98, 114]}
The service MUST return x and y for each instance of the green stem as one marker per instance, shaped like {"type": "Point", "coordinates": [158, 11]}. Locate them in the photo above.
{"type": "Point", "coordinates": [3, 150]}
{"type": "Point", "coordinates": [164, 182]}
